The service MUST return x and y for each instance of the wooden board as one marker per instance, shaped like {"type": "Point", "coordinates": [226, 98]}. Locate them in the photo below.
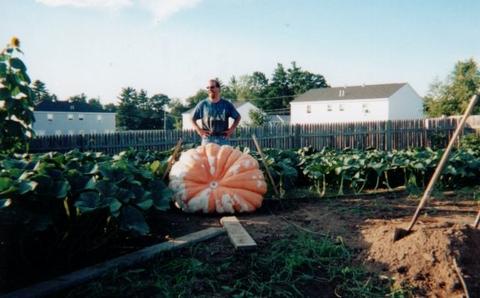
{"type": "Point", "coordinates": [78, 277]}
{"type": "Point", "coordinates": [237, 234]}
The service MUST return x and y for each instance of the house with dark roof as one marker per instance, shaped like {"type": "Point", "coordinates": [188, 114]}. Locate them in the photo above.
{"type": "Point", "coordinates": [357, 103]}
{"type": "Point", "coordinates": [64, 117]}
{"type": "Point", "coordinates": [243, 109]}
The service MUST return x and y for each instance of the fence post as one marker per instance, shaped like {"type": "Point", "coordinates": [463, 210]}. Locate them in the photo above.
{"type": "Point", "coordinates": [80, 142]}
{"type": "Point", "coordinates": [296, 136]}
{"type": "Point", "coordinates": [388, 135]}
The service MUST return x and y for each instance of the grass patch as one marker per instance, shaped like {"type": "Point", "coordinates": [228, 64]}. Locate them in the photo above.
{"type": "Point", "coordinates": [301, 265]}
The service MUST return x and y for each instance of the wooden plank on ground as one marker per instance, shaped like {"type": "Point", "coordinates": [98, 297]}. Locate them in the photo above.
{"type": "Point", "coordinates": [50, 287]}
{"type": "Point", "coordinates": [237, 234]}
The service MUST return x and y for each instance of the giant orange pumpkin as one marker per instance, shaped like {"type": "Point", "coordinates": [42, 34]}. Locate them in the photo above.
{"type": "Point", "coordinates": [215, 178]}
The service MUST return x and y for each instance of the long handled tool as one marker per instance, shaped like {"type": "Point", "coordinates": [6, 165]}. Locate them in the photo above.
{"type": "Point", "coordinates": [477, 220]}
{"type": "Point", "coordinates": [172, 158]}
{"type": "Point", "coordinates": [400, 233]}
{"type": "Point", "coordinates": [266, 166]}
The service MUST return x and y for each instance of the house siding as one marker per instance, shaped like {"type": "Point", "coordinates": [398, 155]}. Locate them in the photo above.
{"type": "Point", "coordinates": [401, 103]}
{"type": "Point", "coordinates": [405, 104]}
{"type": "Point", "coordinates": [353, 110]}
{"type": "Point", "coordinates": [60, 123]}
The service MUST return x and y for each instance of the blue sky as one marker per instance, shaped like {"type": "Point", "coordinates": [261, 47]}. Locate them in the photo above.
{"type": "Point", "coordinates": [174, 46]}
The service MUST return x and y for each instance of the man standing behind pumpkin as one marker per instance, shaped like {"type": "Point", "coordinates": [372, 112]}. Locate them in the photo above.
{"type": "Point", "coordinates": [214, 113]}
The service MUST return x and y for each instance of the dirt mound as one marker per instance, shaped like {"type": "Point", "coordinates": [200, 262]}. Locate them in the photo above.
{"type": "Point", "coordinates": [426, 259]}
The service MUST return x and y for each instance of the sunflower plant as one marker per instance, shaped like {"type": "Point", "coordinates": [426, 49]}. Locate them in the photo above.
{"type": "Point", "coordinates": [16, 100]}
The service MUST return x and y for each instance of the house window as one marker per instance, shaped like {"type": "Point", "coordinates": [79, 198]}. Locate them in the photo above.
{"type": "Point", "coordinates": [50, 117]}
{"type": "Point", "coordinates": [365, 108]}
{"type": "Point", "coordinates": [329, 108]}
{"type": "Point", "coordinates": [340, 107]}
{"type": "Point", "coordinates": [70, 116]}
{"type": "Point", "coordinates": [99, 117]}
{"type": "Point", "coordinates": [309, 109]}
{"type": "Point", "coordinates": [80, 117]}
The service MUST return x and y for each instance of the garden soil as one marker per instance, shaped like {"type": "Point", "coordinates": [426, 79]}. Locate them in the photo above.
{"type": "Point", "coordinates": [423, 262]}
{"type": "Point", "coordinates": [428, 262]}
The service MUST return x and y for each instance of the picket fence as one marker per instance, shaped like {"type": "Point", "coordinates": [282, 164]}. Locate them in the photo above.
{"type": "Point", "coordinates": [385, 135]}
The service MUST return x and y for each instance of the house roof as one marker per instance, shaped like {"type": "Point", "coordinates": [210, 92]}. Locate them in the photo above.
{"type": "Point", "coordinates": [278, 118]}
{"type": "Point", "coordinates": [66, 106]}
{"type": "Point", "coordinates": [237, 105]}
{"type": "Point", "coordinates": [350, 92]}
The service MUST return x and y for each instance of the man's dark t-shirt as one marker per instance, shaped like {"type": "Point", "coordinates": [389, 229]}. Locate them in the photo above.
{"type": "Point", "coordinates": [215, 116]}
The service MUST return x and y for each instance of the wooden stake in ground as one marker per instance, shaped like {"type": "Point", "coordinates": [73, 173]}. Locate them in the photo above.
{"type": "Point", "coordinates": [400, 233]}
{"type": "Point", "coordinates": [259, 149]}
{"type": "Point", "coordinates": [237, 234]}
{"type": "Point", "coordinates": [173, 157]}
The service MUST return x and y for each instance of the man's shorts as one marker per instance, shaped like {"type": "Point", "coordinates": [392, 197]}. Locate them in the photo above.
{"type": "Point", "coordinates": [220, 140]}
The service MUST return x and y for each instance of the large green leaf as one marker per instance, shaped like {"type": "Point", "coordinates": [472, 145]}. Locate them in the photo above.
{"type": "Point", "coordinates": [61, 189]}
{"type": "Point", "coordinates": [5, 183]}
{"type": "Point", "coordinates": [18, 64]}
{"type": "Point", "coordinates": [132, 220]}
{"type": "Point", "coordinates": [88, 201]}
{"type": "Point", "coordinates": [3, 69]}
{"type": "Point", "coordinates": [26, 186]}
{"type": "Point", "coordinates": [161, 195]}
{"type": "Point", "coordinates": [145, 202]}
{"type": "Point", "coordinates": [115, 206]}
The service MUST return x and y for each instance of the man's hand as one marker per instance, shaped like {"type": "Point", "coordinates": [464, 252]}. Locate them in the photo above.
{"type": "Point", "coordinates": [203, 132]}
{"type": "Point", "coordinates": [229, 132]}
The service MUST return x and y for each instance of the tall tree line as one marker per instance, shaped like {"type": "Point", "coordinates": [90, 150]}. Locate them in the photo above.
{"type": "Point", "coordinates": [451, 96]}
{"type": "Point", "coordinates": [137, 110]}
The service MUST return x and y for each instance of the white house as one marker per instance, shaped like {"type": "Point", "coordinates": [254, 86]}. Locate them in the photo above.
{"type": "Point", "coordinates": [243, 109]}
{"type": "Point", "coordinates": [63, 117]}
{"type": "Point", "coordinates": [357, 103]}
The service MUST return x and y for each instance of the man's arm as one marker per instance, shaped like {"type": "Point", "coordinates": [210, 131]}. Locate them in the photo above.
{"type": "Point", "coordinates": [230, 131]}
{"type": "Point", "coordinates": [201, 132]}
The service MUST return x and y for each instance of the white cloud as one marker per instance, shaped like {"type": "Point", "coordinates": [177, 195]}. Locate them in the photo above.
{"type": "Point", "coordinates": [87, 3]}
{"type": "Point", "coordinates": [162, 9]}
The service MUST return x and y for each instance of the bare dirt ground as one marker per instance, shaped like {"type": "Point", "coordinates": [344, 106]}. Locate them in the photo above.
{"type": "Point", "coordinates": [428, 261]}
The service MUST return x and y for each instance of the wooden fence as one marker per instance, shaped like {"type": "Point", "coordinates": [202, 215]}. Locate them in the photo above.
{"type": "Point", "coordinates": [386, 135]}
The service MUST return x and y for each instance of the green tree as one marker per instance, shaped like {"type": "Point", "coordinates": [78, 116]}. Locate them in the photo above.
{"type": "Point", "coordinates": [153, 113]}
{"type": "Point", "coordinates": [111, 107]}
{"type": "Point", "coordinates": [176, 109]}
{"type": "Point", "coordinates": [16, 100]}
{"type": "Point", "coordinates": [452, 96]}
{"type": "Point", "coordinates": [258, 118]}
{"type": "Point", "coordinates": [95, 102]}
{"type": "Point", "coordinates": [128, 112]}
{"type": "Point", "coordinates": [80, 98]}
{"type": "Point", "coordinates": [285, 84]}
{"type": "Point", "coordinates": [199, 96]}
{"type": "Point", "coordinates": [301, 81]}
{"type": "Point", "coordinates": [279, 92]}
{"type": "Point", "coordinates": [41, 92]}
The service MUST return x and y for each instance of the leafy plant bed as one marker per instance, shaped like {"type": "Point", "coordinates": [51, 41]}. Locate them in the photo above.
{"type": "Point", "coordinates": [292, 235]}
